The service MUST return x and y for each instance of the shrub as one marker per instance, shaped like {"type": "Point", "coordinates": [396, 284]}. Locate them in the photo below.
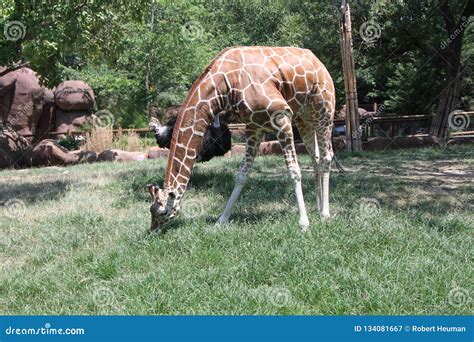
{"type": "Point", "coordinates": [70, 142]}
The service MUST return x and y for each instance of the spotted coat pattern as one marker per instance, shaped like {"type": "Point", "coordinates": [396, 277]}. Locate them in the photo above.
{"type": "Point", "coordinates": [269, 89]}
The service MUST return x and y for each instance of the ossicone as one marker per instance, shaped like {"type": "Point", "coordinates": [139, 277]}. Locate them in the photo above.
{"type": "Point", "coordinates": [153, 189]}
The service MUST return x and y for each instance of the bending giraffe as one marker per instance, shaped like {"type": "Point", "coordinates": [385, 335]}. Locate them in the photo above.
{"type": "Point", "coordinates": [269, 88]}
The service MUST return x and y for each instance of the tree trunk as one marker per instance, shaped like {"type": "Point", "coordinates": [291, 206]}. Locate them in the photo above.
{"type": "Point", "coordinates": [151, 25]}
{"type": "Point", "coordinates": [455, 71]}
{"type": "Point", "coordinates": [448, 101]}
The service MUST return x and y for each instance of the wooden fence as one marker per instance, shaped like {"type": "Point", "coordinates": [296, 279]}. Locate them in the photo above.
{"type": "Point", "coordinates": [391, 125]}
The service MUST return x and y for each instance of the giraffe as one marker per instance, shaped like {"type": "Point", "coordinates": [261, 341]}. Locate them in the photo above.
{"type": "Point", "coordinates": [268, 88]}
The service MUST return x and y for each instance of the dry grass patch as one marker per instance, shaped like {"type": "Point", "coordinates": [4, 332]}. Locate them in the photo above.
{"type": "Point", "coordinates": [99, 139]}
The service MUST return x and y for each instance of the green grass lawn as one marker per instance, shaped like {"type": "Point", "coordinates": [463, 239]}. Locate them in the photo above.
{"type": "Point", "coordinates": [400, 240]}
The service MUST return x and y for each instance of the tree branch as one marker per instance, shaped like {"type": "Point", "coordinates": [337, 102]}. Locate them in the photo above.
{"type": "Point", "coordinates": [417, 42]}
{"type": "Point", "coordinates": [448, 17]}
{"type": "Point", "coordinates": [468, 11]}
{"type": "Point", "coordinates": [14, 67]}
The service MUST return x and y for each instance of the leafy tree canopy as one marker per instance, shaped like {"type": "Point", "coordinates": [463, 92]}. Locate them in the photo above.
{"type": "Point", "coordinates": [134, 53]}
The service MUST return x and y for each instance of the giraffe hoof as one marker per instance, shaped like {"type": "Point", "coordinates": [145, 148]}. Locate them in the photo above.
{"type": "Point", "coordinates": [304, 224]}
{"type": "Point", "coordinates": [325, 216]}
{"type": "Point", "coordinates": [221, 221]}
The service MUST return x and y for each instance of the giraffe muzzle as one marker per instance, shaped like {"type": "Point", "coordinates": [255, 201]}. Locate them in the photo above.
{"type": "Point", "coordinates": [159, 218]}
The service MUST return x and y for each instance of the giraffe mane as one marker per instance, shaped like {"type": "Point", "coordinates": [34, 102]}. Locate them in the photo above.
{"type": "Point", "coordinates": [179, 119]}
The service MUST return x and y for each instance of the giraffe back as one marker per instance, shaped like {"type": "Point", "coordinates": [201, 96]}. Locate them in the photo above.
{"type": "Point", "coordinates": [258, 77]}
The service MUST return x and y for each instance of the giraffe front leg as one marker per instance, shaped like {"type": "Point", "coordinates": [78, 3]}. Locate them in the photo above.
{"type": "Point", "coordinates": [251, 148]}
{"type": "Point", "coordinates": [285, 137]}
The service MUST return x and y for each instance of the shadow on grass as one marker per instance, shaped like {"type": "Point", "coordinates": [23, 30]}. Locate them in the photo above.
{"type": "Point", "coordinates": [239, 217]}
{"type": "Point", "coordinates": [420, 183]}
{"type": "Point", "coordinates": [34, 192]}
{"type": "Point", "coordinates": [136, 185]}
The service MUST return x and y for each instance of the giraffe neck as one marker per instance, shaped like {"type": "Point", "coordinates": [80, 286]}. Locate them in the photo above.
{"type": "Point", "coordinates": [206, 98]}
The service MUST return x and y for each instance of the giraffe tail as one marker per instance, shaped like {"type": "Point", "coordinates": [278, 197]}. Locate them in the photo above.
{"type": "Point", "coordinates": [336, 160]}
{"type": "Point", "coordinates": [338, 165]}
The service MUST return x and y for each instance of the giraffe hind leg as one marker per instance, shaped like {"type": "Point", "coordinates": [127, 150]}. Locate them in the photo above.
{"type": "Point", "coordinates": [324, 114]}
{"type": "Point", "coordinates": [308, 134]}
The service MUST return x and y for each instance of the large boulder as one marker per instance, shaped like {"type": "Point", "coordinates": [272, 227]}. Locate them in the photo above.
{"type": "Point", "coordinates": [7, 93]}
{"type": "Point", "coordinates": [86, 156]}
{"type": "Point", "coordinates": [461, 140]}
{"type": "Point", "coordinates": [74, 96]}
{"type": "Point", "coordinates": [268, 147]}
{"type": "Point", "coordinates": [274, 147]}
{"type": "Point", "coordinates": [238, 131]}
{"type": "Point", "coordinates": [47, 122]}
{"type": "Point", "coordinates": [238, 149]}
{"type": "Point", "coordinates": [341, 115]}
{"type": "Point", "coordinates": [67, 121]}
{"type": "Point", "coordinates": [15, 151]}
{"type": "Point", "coordinates": [382, 143]}
{"type": "Point", "coordinates": [50, 153]}
{"type": "Point", "coordinates": [21, 100]}
{"type": "Point", "coordinates": [158, 152]}
{"type": "Point", "coordinates": [121, 156]}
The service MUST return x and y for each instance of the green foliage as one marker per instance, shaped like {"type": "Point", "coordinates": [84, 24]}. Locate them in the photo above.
{"type": "Point", "coordinates": [403, 92]}
{"type": "Point", "coordinates": [115, 91]}
{"type": "Point", "coordinates": [406, 67]}
{"type": "Point", "coordinates": [58, 32]}
{"type": "Point", "coordinates": [148, 51]}
{"type": "Point", "coordinates": [69, 142]}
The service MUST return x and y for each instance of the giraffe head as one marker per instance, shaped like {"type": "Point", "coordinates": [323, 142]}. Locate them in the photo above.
{"type": "Point", "coordinates": [164, 207]}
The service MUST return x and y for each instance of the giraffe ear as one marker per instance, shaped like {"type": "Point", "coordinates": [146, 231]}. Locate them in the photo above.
{"type": "Point", "coordinates": [153, 190]}
{"type": "Point", "coordinates": [170, 202]}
